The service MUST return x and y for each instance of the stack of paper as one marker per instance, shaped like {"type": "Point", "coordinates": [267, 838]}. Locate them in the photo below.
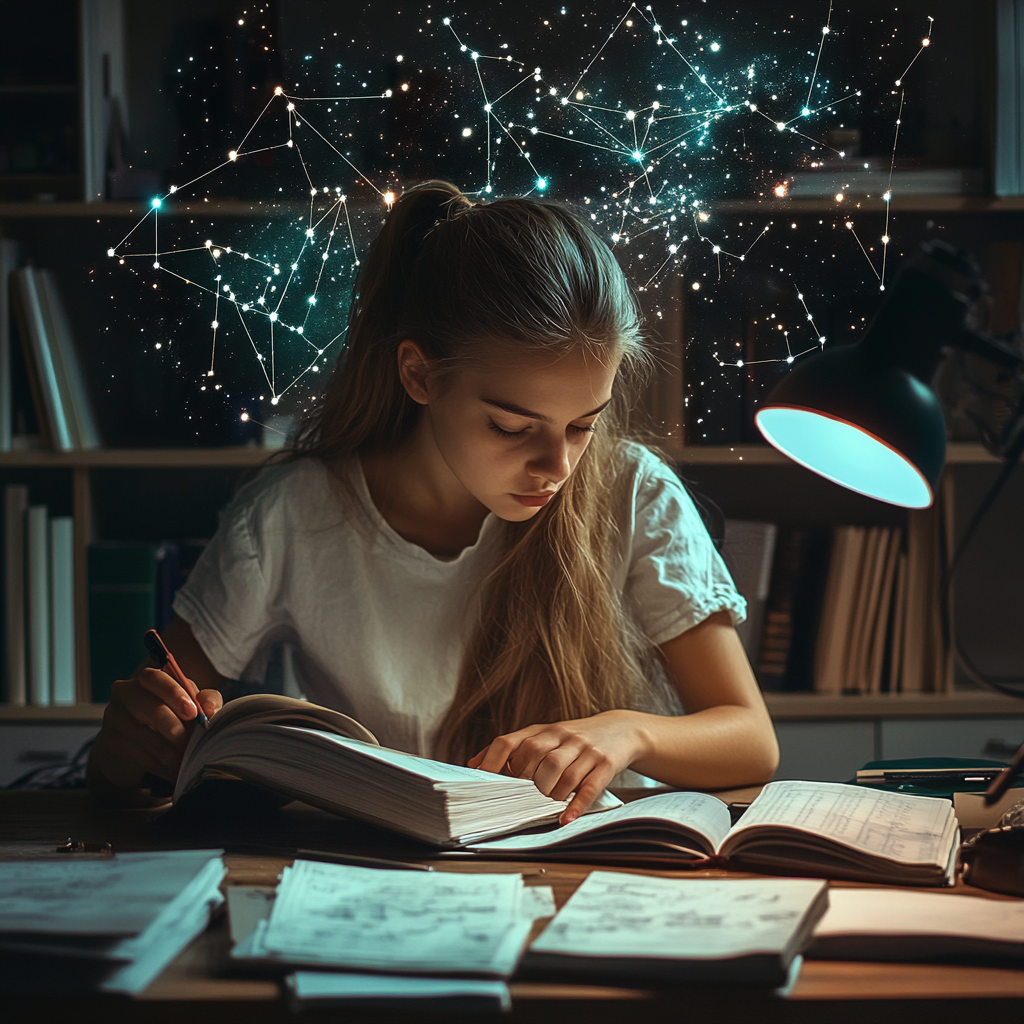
{"type": "Point", "coordinates": [403, 922]}
{"type": "Point", "coordinates": [704, 929]}
{"type": "Point", "coordinates": [111, 924]}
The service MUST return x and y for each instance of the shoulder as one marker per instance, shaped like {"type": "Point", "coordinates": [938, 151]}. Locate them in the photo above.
{"type": "Point", "coordinates": [649, 479]}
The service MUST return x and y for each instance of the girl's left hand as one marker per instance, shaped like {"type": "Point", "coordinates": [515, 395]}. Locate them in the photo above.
{"type": "Point", "coordinates": [582, 756]}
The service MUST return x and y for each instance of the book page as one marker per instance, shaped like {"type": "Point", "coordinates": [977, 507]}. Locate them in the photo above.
{"type": "Point", "coordinates": [910, 829]}
{"type": "Point", "coordinates": [118, 895]}
{"type": "Point", "coordinates": [901, 912]}
{"type": "Point", "coordinates": [704, 814]}
{"type": "Point", "coordinates": [314, 985]}
{"type": "Point", "coordinates": [335, 914]}
{"type": "Point", "coordinates": [622, 915]}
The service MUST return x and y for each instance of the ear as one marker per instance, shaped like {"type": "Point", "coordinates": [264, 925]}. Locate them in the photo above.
{"type": "Point", "coordinates": [414, 370]}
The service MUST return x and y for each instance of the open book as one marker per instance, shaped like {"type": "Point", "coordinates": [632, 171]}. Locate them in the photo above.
{"type": "Point", "coordinates": [329, 760]}
{"type": "Point", "coordinates": [809, 828]}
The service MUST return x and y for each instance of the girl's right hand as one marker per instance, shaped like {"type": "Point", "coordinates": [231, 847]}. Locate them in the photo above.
{"type": "Point", "coordinates": [144, 728]}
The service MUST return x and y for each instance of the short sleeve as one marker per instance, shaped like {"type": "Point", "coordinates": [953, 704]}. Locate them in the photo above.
{"type": "Point", "coordinates": [675, 576]}
{"type": "Point", "coordinates": [226, 598]}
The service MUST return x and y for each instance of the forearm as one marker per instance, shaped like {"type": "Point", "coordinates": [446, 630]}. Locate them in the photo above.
{"type": "Point", "coordinates": [720, 747]}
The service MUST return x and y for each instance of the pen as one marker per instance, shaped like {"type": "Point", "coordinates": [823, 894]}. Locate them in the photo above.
{"type": "Point", "coordinates": [157, 650]}
{"type": "Point", "coordinates": [1001, 783]}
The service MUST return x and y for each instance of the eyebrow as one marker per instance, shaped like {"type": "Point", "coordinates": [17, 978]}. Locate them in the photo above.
{"type": "Point", "coordinates": [518, 410]}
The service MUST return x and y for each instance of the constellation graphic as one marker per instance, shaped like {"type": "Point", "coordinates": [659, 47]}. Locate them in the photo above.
{"type": "Point", "coordinates": [647, 148]}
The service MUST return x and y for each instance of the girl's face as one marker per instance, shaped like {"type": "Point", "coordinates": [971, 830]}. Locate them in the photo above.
{"type": "Point", "coordinates": [513, 433]}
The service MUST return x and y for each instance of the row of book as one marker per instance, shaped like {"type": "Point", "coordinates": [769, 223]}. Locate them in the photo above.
{"type": "Point", "coordinates": [131, 587]}
{"type": "Point", "coordinates": [61, 403]}
{"type": "Point", "coordinates": [844, 609]}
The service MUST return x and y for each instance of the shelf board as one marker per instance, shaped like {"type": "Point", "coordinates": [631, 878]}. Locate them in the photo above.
{"type": "Point", "coordinates": [784, 707]}
{"type": "Point", "coordinates": [138, 208]}
{"type": "Point", "coordinates": [862, 204]}
{"type": "Point", "coordinates": [797, 707]}
{"type": "Point", "coordinates": [74, 713]}
{"type": "Point", "coordinates": [140, 458]}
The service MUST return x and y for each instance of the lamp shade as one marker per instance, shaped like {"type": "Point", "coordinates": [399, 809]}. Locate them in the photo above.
{"type": "Point", "coordinates": [862, 422]}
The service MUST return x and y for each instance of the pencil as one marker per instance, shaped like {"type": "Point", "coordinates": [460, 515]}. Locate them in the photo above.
{"type": "Point", "coordinates": [1001, 783]}
{"type": "Point", "coordinates": [158, 651]}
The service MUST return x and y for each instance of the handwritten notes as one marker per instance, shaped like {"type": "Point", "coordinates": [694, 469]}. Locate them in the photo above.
{"type": "Point", "coordinates": [622, 915]}
{"type": "Point", "coordinates": [401, 921]}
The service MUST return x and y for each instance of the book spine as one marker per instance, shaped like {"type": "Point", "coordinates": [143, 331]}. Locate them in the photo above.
{"type": "Point", "coordinates": [38, 605]}
{"type": "Point", "coordinates": [8, 262]}
{"type": "Point", "coordinates": [15, 507]}
{"type": "Point", "coordinates": [1009, 159]}
{"type": "Point", "coordinates": [62, 609]}
{"type": "Point", "coordinates": [40, 360]}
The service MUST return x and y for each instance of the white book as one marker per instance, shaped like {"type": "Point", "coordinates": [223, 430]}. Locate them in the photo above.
{"type": "Point", "coordinates": [37, 579]}
{"type": "Point", "coordinates": [8, 263]}
{"type": "Point", "coordinates": [15, 670]}
{"type": "Point", "coordinates": [62, 609]}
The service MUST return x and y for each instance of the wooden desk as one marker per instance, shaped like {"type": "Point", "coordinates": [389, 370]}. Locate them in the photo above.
{"type": "Point", "coordinates": [196, 987]}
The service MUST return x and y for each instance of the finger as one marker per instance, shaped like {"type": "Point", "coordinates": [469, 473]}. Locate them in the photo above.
{"type": "Point", "coordinates": [550, 770]}
{"type": "Point", "coordinates": [166, 690]}
{"type": "Point", "coordinates": [125, 757]}
{"type": "Point", "coordinates": [119, 721]}
{"type": "Point", "coordinates": [211, 701]}
{"type": "Point", "coordinates": [534, 750]}
{"type": "Point", "coordinates": [501, 749]}
{"type": "Point", "coordinates": [590, 789]}
{"type": "Point", "coordinates": [572, 777]}
{"type": "Point", "coordinates": [149, 710]}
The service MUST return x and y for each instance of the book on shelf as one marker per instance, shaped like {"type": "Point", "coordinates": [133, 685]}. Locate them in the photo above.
{"type": "Point", "coordinates": [825, 829]}
{"type": "Point", "coordinates": [8, 264]}
{"type": "Point", "coordinates": [856, 180]}
{"type": "Point", "coordinates": [39, 624]}
{"type": "Point", "coordinates": [15, 689]}
{"type": "Point", "coordinates": [1009, 150]}
{"type": "Point", "coordinates": [329, 760]}
{"type": "Point", "coordinates": [635, 927]}
{"type": "Point", "coordinates": [59, 391]}
{"type": "Point", "coordinates": [748, 550]}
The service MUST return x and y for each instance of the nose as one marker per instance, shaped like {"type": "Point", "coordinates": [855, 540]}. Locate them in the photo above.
{"type": "Point", "coordinates": [550, 463]}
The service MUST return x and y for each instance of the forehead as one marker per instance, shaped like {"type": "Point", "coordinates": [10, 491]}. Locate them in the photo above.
{"type": "Point", "coordinates": [530, 379]}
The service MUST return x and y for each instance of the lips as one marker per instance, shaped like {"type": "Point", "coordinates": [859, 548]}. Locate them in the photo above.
{"type": "Point", "coordinates": [534, 500]}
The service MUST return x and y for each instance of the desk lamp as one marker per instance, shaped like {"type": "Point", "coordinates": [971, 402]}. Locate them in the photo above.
{"type": "Point", "coordinates": [865, 415]}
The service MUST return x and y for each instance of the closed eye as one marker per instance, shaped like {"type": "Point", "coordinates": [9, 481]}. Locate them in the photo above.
{"type": "Point", "coordinates": [515, 433]}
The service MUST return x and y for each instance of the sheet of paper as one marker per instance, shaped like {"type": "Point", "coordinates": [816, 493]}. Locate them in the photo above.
{"type": "Point", "coordinates": [623, 915]}
{"type": "Point", "coordinates": [333, 914]}
{"type": "Point", "coordinates": [901, 912]}
{"type": "Point", "coordinates": [119, 895]}
{"type": "Point", "coordinates": [315, 985]}
{"type": "Point", "coordinates": [704, 813]}
{"type": "Point", "coordinates": [914, 829]}
{"type": "Point", "coordinates": [247, 906]}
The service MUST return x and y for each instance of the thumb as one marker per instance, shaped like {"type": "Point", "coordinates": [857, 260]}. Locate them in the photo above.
{"type": "Point", "coordinates": [211, 701]}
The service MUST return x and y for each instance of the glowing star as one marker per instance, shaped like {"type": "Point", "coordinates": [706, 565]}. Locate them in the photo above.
{"type": "Point", "coordinates": [715, 47]}
{"type": "Point", "coordinates": [389, 199]}
{"type": "Point", "coordinates": [110, 252]}
{"type": "Point", "coordinates": [781, 125]}
{"type": "Point", "coordinates": [703, 217]}
{"type": "Point", "coordinates": [542, 184]}
{"type": "Point", "coordinates": [840, 197]}
{"type": "Point", "coordinates": [245, 416]}
{"type": "Point", "coordinates": [695, 286]}
{"type": "Point", "coordinates": [233, 155]}
{"type": "Point", "coordinates": [781, 191]}
{"type": "Point", "coordinates": [273, 317]}
{"type": "Point", "coordinates": [579, 94]}
{"type": "Point", "coordinates": [156, 202]}
{"type": "Point", "coordinates": [466, 132]}
{"type": "Point", "coordinates": [174, 188]}
{"type": "Point", "coordinates": [887, 197]}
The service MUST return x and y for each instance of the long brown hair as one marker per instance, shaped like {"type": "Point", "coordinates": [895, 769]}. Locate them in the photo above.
{"type": "Point", "coordinates": [462, 279]}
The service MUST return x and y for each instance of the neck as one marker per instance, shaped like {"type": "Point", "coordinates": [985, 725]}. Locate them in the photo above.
{"type": "Point", "coordinates": [419, 496]}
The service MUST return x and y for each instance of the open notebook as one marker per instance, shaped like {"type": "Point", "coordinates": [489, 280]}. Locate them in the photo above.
{"type": "Point", "coordinates": [327, 759]}
{"type": "Point", "coordinates": [810, 828]}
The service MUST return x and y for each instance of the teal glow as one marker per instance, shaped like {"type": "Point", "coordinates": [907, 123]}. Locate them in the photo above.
{"type": "Point", "coordinates": [846, 455]}
{"type": "Point", "coordinates": [542, 183]}
{"type": "Point", "coordinates": [156, 203]}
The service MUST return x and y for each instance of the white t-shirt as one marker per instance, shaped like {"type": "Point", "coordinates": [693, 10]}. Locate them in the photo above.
{"type": "Point", "coordinates": [379, 625]}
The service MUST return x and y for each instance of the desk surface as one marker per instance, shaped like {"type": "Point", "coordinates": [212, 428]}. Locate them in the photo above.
{"type": "Point", "coordinates": [194, 989]}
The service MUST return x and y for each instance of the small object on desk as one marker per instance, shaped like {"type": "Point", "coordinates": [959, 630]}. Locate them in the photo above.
{"type": "Point", "coordinates": [915, 927]}
{"type": "Point", "coordinates": [164, 660]}
{"type": "Point", "coordinates": [703, 929]}
{"type": "Point", "coordinates": [972, 812]}
{"type": "Point", "coordinates": [77, 846]}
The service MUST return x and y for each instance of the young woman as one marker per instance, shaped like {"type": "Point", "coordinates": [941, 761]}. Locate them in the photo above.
{"type": "Point", "coordinates": [465, 551]}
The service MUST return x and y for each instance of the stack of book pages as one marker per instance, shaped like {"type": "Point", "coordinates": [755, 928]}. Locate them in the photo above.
{"type": "Point", "coordinates": [330, 761]}
{"type": "Point", "coordinates": [110, 925]}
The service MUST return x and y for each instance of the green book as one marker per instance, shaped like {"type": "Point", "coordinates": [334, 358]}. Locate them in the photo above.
{"type": "Point", "coordinates": [122, 606]}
